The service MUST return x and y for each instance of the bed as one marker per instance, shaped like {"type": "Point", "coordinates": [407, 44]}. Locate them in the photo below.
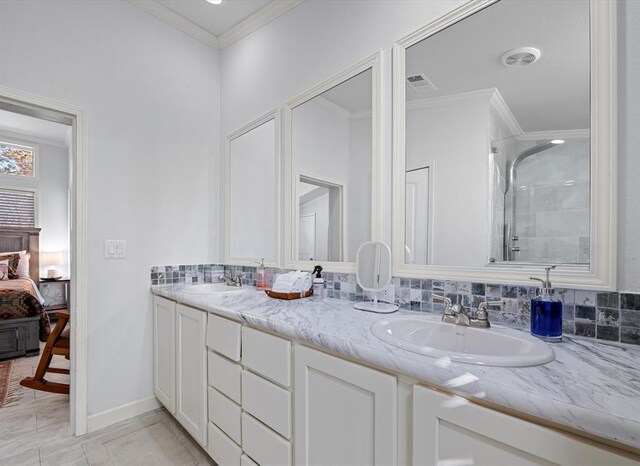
{"type": "Point", "coordinates": [23, 320]}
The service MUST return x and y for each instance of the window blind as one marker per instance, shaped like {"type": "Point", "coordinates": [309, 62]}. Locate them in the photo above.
{"type": "Point", "coordinates": [17, 208]}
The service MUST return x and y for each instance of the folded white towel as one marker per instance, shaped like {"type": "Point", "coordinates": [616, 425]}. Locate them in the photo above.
{"type": "Point", "coordinates": [292, 282]}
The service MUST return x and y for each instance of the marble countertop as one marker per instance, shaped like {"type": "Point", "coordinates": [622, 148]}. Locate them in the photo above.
{"type": "Point", "coordinates": [592, 386]}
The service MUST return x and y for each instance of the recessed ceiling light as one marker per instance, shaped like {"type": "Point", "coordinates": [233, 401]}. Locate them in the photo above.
{"type": "Point", "coordinates": [557, 141]}
{"type": "Point", "coordinates": [215, 2]}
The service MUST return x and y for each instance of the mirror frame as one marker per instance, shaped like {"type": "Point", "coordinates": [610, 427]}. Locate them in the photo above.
{"type": "Point", "coordinates": [228, 258]}
{"type": "Point", "coordinates": [291, 209]}
{"type": "Point", "coordinates": [601, 274]}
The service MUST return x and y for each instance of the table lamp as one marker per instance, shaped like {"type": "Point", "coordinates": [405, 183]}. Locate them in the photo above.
{"type": "Point", "coordinates": [52, 259]}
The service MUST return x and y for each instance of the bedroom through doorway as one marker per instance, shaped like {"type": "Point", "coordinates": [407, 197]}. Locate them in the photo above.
{"type": "Point", "coordinates": [39, 237]}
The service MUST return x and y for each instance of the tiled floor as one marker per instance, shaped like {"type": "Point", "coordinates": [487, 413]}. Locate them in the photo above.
{"type": "Point", "coordinates": [35, 432]}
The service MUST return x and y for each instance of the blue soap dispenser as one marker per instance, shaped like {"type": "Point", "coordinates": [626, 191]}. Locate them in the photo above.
{"type": "Point", "coordinates": [546, 312]}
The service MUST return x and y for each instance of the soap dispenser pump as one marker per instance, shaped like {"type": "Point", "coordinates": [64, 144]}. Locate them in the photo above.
{"type": "Point", "coordinates": [261, 276]}
{"type": "Point", "coordinates": [546, 311]}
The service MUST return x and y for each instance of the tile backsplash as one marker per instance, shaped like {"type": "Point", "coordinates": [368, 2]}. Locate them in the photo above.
{"type": "Point", "coordinates": [610, 316]}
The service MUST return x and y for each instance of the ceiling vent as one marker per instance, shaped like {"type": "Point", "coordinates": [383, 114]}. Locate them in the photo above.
{"type": "Point", "coordinates": [522, 56]}
{"type": "Point", "coordinates": [420, 83]}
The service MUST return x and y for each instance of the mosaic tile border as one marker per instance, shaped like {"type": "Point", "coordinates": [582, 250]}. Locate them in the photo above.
{"type": "Point", "coordinates": [610, 316]}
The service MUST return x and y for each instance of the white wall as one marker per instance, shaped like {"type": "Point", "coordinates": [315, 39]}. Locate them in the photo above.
{"type": "Point", "coordinates": [320, 143]}
{"type": "Point", "coordinates": [52, 188]}
{"type": "Point", "coordinates": [308, 45]}
{"type": "Point", "coordinates": [151, 97]}
{"type": "Point", "coordinates": [359, 194]}
{"type": "Point", "coordinates": [628, 145]}
{"type": "Point", "coordinates": [455, 138]}
{"type": "Point", "coordinates": [252, 188]}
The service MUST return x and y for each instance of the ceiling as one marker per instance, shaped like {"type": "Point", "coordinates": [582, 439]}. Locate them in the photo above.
{"type": "Point", "coordinates": [354, 94]}
{"type": "Point", "coordinates": [216, 19]}
{"type": "Point", "coordinates": [27, 126]}
{"type": "Point", "coordinates": [550, 94]}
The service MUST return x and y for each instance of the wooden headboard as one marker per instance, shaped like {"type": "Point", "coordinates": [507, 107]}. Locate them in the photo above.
{"type": "Point", "coordinates": [18, 239]}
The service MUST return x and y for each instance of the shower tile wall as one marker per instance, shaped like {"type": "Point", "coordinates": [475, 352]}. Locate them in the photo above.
{"type": "Point", "coordinates": [602, 315]}
{"type": "Point", "coordinates": [552, 204]}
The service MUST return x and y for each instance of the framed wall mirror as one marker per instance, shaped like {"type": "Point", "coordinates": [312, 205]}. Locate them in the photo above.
{"type": "Point", "coordinates": [332, 158]}
{"type": "Point", "coordinates": [504, 144]}
{"type": "Point", "coordinates": [252, 213]}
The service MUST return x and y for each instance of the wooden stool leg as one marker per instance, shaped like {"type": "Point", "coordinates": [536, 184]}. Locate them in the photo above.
{"type": "Point", "coordinates": [38, 382]}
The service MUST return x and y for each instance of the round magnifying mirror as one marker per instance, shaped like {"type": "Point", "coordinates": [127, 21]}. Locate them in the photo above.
{"type": "Point", "coordinates": [373, 273]}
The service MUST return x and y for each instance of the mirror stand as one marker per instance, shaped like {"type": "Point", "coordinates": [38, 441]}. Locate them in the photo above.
{"type": "Point", "coordinates": [376, 306]}
{"type": "Point", "coordinates": [373, 274]}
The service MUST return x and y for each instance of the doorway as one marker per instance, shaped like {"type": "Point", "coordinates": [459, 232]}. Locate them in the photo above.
{"type": "Point", "coordinates": [47, 110]}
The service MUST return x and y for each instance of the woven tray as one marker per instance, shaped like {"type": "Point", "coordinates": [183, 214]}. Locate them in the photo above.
{"type": "Point", "coordinates": [288, 296]}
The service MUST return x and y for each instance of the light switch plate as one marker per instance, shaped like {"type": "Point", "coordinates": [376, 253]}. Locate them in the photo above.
{"type": "Point", "coordinates": [115, 249]}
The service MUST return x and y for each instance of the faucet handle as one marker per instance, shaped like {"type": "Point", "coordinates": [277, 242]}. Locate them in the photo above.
{"type": "Point", "coordinates": [448, 304]}
{"type": "Point", "coordinates": [446, 300]}
{"type": "Point", "coordinates": [482, 313]}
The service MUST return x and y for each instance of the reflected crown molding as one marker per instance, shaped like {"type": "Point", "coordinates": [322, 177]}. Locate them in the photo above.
{"type": "Point", "coordinates": [332, 107]}
{"type": "Point", "coordinates": [341, 111]}
{"type": "Point", "coordinates": [491, 95]}
{"type": "Point", "coordinates": [563, 133]}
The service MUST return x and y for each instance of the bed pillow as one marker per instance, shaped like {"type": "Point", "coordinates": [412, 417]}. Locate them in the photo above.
{"type": "Point", "coordinates": [13, 260]}
{"type": "Point", "coordinates": [23, 266]}
{"type": "Point", "coordinates": [4, 270]}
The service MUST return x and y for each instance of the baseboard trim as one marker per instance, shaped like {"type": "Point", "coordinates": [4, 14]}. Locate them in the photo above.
{"type": "Point", "coordinates": [121, 413]}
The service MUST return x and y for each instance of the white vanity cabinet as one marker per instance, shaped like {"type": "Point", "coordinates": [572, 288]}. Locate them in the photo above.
{"type": "Point", "coordinates": [180, 364]}
{"type": "Point", "coordinates": [345, 413]}
{"type": "Point", "coordinates": [224, 378]}
{"type": "Point", "coordinates": [164, 352]}
{"type": "Point", "coordinates": [266, 398]}
{"type": "Point", "coordinates": [253, 398]}
{"type": "Point", "coordinates": [191, 371]}
{"type": "Point", "coordinates": [452, 430]}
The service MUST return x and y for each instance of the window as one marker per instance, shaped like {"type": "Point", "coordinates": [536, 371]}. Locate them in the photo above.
{"type": "Point", "coordinates": [17, 208]}
{"type": "Point", "coordinates": [17, 160]}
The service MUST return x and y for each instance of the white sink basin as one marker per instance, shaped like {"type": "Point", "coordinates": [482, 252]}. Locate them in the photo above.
{"type": "Point", "coordinates": [212, 288]}
{"type": "Point", "coordinates": [490, 347]}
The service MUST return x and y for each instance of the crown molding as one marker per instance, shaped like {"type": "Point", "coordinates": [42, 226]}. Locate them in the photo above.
{"type": "Point", "coordinates": [482, 95]}
{"type": "Point", "coordinates": [332, 107]}
{"type": "Point", "coordinates": [178, 21]}
{"type": "Point", "coordinates": [563, 133]}
{"type": "Point", "coordinates": [491, 95]}
{"type": "Point", "coordinates": [502, 109]}
{"type": "Point", "coordinates": [255, 21]}
{"type": "Point", "coordinates": [361, 115]}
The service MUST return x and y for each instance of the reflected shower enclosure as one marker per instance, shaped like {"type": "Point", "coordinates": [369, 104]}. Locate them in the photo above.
{"type": "Point", "coordinates": [540, 201]}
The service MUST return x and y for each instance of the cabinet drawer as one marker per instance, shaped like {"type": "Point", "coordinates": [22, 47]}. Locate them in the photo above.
{"type": "Point", "coordinates": [267, 355]}
{"type": "Point", "coordinates": [225, 414]}
{"type": "Point", "coordinates": [225, 376]}
{"type": "Point", "coordinates": [267, 402]}
{"type": "Point", "coordinates": [263, 445]}
{"type": "Point", "coordinates": [223, 336]}
{"type": "Point", "coordinates": [222, 449]}
{"type": "Point", "coordinates": [246, 461]}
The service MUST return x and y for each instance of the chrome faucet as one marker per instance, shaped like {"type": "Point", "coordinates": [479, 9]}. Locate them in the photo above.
{"type": "Point", "coordinates": [230, 281]}
{"type": "Point", "coordinates": [456, 313]}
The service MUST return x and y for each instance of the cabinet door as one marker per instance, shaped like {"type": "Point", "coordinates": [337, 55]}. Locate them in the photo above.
{"type": "Point", "coordinates": [345, 413]}
{"type": "Point", "coordinates": [191, 372]}
{"type": "Point", "coordinates": [164, 352]}
{"type": "Point", "coordinates": [452, 430]}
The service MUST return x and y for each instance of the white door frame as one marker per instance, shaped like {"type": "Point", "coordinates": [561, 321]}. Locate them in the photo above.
{"type": "Point", "coordinates": [78, 215]}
